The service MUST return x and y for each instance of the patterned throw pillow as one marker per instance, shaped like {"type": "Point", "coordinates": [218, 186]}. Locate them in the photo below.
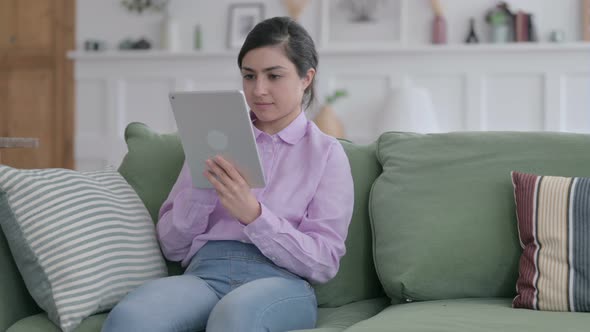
{"type": "Point", "coordinates": [81, 240]}
{"type": "Point", "coordinates": [554, 229]}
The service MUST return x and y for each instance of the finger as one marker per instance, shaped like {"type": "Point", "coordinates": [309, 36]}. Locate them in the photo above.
{"type": "Point", "coordinates": [229, 186]}
{"type": "Point", "coordinates": [231, 171]}
{"type": "Point", "coordinates": [219, 187]}
{"type": "Point", "coordinates": [221, 174]}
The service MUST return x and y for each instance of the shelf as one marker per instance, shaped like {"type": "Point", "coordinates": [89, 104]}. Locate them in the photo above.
{"type": "Point", "coordinates": [343, 50]}
{"type": "Point", "coordinates": [146, 55]}
{"type": "Point", "coordinates": [460, 48]}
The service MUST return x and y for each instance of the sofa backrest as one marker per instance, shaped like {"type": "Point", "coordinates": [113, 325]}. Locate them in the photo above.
{"type": "Point", "coordinates": [356, 279]}
{"type": "Point", "coordinates": [443, 211]}
{"type": "Point", "coordinates": [154, 160]}
{"type": "Point", "coordinates": [15, 300]}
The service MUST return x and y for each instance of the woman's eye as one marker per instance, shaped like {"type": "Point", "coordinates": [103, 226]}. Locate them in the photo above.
{"type": "Point", "coordinates": [248, 76]}
{"type": "Point", "coordinates": [273, 76]}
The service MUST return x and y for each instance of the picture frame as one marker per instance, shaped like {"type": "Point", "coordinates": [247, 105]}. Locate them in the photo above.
{"type": "Point", "coordinates": [242, 17]}
{"type": "Point", "coordinates": [371, 23]}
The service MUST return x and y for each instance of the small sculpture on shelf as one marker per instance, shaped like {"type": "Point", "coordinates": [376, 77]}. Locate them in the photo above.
{"type": "Point", "coordinates": [472, 35]}
{"type": "Point", "coordinates": [557, 36]}
{"type": "Point", "coordinates": [94, 45]}
{"type": "Point", "coordinates": [142, 44]}
{"type": "Point", "coordinates": [362, 11]}
{"type": "Point", "coordinates": [142, 5]}
{"type": "Point", "coordinates": [327, 120]}
{"type": "Point", "coordinates": [130, 44]}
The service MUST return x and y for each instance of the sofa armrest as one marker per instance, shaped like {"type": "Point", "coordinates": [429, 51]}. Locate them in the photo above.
{"type": "Point", "coordinates": [15, 301]}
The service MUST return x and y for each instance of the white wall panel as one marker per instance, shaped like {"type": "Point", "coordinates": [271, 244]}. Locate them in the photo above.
{"type": "Point", "coordinates": [90, 164]}
{"type": "Point", "coordinates": [514, 102]}
{"type": "Point", "coordinates": [448, 93]}
{"type": "Point", "coordinates": [472, 88]}
{"type": "Point", "coordinates": [146, 100]}
{"type": "Point", "coordinates": [576, 102]}
{"type": "Point", "coordinates": [92, 127]}
{"type": "Point", "coordinates": [91, 106]}
{"type": "Point", "coordinates": [359, 111]}
{"type": "Point", "coordinates": [208, 83]}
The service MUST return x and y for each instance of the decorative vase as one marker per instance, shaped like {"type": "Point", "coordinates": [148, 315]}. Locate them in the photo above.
{"type": "Point", "coordinates": [439, 30]}
{"type": "Point", "coordinates": [197, 37]}
{"type": "Point", "coordinates": [170, 34]}
{"type": "Point", "coordinates": [295, 7]}
{"type": "Point", "coordinates": [328, 122]}
{"type": "Point", "coordinates": [439, 24]}
{"type": "Point", "coordinates": [500, 33]}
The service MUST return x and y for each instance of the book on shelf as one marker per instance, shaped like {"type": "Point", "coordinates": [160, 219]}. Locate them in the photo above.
{"type": "Point", "coordinates": [524, 27]}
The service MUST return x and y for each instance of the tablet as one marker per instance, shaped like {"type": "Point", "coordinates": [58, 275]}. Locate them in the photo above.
{"type": "Point", "coordinates": [214, 123]}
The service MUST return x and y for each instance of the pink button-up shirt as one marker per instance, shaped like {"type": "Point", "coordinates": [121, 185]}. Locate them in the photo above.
{"type": "Point", "coordinates": [306, 206]}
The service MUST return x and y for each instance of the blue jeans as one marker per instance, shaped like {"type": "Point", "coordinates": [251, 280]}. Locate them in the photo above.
{"type": "Point", "coordinates": [228, 286]}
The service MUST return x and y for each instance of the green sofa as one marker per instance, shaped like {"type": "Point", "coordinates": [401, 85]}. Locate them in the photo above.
{"type": "Point", "coordinates": [432, 246]}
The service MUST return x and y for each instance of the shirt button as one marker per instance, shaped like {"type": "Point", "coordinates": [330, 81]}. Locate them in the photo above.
{"type": "Point", "coordinates": [273, 258]}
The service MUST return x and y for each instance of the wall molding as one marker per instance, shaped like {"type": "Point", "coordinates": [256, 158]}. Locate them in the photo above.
{"type": "Point", "coordinates": [542, 87]}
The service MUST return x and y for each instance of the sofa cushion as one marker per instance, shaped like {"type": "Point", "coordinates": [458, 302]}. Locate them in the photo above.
{"type": "Point", "coordinates": [554, 230]}
{"type": "Point", "coordinates": [329, 319]}
{"type": "Point", "coordinates": [154, 161]}
{"type": "Point", "coordinates": [443, 211]}
{"type": "Point", "coordinates": [41, 323]}
{"type": "Point", "coordinates": [481, 315]}
{"type": "Point", "coordinates": [81, 240]}
{"type": "Point", "coordinates": [151, 165]}
{"type": "Point", "coordinates": [339, 319]}
{"type": "Point", "coordinates": [356, 278]}
{"type": "Point", "coordinates": [15, 300]}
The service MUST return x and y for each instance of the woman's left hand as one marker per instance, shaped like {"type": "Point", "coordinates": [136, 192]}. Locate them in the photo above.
{"type": "Point", "coordinates": [233, 191]}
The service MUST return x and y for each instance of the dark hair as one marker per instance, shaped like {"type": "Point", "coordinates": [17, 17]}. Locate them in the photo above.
{"type": "Point", "coordinates": [297, 43]}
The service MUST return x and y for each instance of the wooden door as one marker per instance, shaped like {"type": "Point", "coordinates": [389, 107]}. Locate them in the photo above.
{"type": "Point", "coordinates": [36, 80]}
{"type": "Point", "coordinates": [6, 23]}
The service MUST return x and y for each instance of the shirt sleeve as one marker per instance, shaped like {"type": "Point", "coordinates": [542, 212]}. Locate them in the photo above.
{"type": "Point", "coordinates": [184, 215]}
{"type": "Point", "coordinates": [313, 249]}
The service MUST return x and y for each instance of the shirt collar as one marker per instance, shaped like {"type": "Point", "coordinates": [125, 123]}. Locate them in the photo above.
{"type": "Point", "coordinates": [290, 134]}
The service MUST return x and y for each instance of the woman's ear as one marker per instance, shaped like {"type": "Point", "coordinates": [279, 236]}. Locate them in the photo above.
{"type": "Point", "coordinates": [308, 78]}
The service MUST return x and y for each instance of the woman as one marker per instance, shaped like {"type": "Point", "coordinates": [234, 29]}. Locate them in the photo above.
{"type": "Point", "coordinates": [250, 253]}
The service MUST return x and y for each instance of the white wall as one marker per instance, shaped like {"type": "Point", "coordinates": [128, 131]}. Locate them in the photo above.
{"type": "Point", "coordinates": [109, 21]}
{"type": "Point", "coordinates": [472, 88]}
{"type": "Point", "coordinates": [548, 15]}
{"type": "Point", "coordinates": [210, 14]}
{"type": "Point", "coordinates": [486, 87]}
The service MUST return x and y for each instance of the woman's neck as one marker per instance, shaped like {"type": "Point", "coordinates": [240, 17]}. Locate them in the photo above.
{"type": "Point", "coordinates": [276, 126]}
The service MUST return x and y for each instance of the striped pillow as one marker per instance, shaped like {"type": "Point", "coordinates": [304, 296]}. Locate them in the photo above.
{"type": "Point", "coordinates": [81, 240]}
{"type": "Point", "coordinates": [554, 229]}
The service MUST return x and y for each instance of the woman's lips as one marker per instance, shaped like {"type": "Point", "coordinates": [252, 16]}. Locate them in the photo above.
{"type": "Point", "coordinates": [263, 105]}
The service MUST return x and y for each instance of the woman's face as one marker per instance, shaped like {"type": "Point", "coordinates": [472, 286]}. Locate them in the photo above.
{"type": "Point", "coordinates": [273, 89]}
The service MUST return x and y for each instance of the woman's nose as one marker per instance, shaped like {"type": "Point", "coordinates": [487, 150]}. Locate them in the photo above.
{"type": "Point", "coordinates": [260, 87]}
